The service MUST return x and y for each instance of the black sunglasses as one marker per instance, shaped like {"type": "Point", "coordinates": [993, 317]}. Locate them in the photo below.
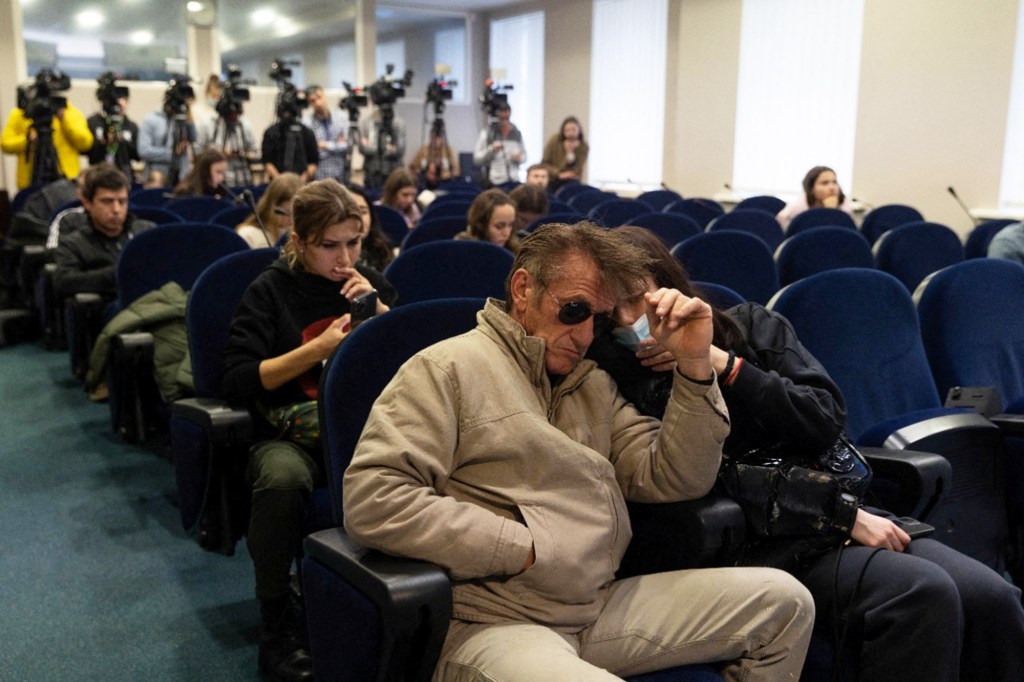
{"type": "Point", "coordinates": [578, 312]}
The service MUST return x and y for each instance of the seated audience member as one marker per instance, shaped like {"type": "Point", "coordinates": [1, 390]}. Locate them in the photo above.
{"type": "Point", "coordinates": [154, 179]}
{"type": "Point", "coordinates": [1008, 243]}
{"type": "Point", "coordinates": [206, 177]}
{"type": "Point", "coordinates": [538, 174]}
{"type": "Point", "coordinates": [820, 190]}
{"type": "Point", "coordinates": [290, 319]}
{"type": "Point", "coordinates": [531, 202]}
{"type": "Point", "coordinates": [492, 218]}
{"type": "Point", "coordinates": [904, 604]}
{"type": "Point", "coordinates": [273, 215]}
{"type": "Point", "coordinates": [377, 250]}
{"type": "Point", "coordinates": [506, 459]}
{"type": "Point", "coordinates": [400, 194]}
{"type": "Point", "coordinates": [565, 153]}
{"type": "Point", "coordinates": [435, 161]}
{"type": "Point", "coordinates": [91, 240]}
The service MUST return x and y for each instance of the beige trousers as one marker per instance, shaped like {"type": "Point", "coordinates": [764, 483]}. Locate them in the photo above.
{"type": "Point", "coordinates": [756, 621]}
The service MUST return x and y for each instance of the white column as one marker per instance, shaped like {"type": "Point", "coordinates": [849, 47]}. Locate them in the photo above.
{"type": "Point", "coordinates": [12, 54]}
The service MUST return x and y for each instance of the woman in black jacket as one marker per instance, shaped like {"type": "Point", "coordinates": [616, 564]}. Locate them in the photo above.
{"type": "Point", "coordinates": [901, 607]}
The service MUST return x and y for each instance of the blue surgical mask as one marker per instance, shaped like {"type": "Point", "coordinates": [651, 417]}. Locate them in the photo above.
{"type": "Point", "coordinates": [631, 336]}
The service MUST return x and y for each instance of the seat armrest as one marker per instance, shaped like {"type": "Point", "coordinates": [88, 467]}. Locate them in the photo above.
{"type": "Point", "coordinates": [908, 482]}
{"type": "Point", "coordinates": [223, 424]}
{"type": "Point", "coordinates": [1009, 423]}
{"type": "Point", "coordinates": [131, 384]}
{"type": "Point", "coordinates": [693, 534]}
{"type": "Point", "coordinates": [410, 607]}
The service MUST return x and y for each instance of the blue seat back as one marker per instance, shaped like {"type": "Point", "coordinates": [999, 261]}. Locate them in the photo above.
{"type": "Point", "coordinates": [231, 216]}
{"type": "Point", "coordinates": [569, 218]}
{"type": "Point", "coordinates": [363, 365]}
{"type": "Point", "coordinates": [701, 210]}
{"type": "Point", "coordinates": [615, 212]}
{"type": "Point", "coordinates": [449, 269]}
{"type": "Point", "coordinates": [735, 259]}
{"type": "Point", "coordinates": [432, 229]}
{"type": "Point", "coordinates": [819, 249]}
{"type": "Point", "coordinates": [977, 242]}
{"type": "Point", "coordinates": [671, 228]}
{"type": "Point", "coordinates": [160, 216]}
{"type": "Point", "coordinates": [392, 223]}
{"type": "Point", "coordinates": [862, 326]}
{"type": "Point", "coordinates": [969, 337]}
{"type": "Point", "coordinates": [761, 202]}
{"type": "Point", "coordinates": [913, 251]}
{"type": "Point", "coordinates": [718, 295]}
{"type": "Point", "coordinates": [211, 306]}
{"type": "Point", "coordinates": [755, 221]}
{"type": "Point", "coordinates": [444, 206]}
{"type": "Point", "coordinates": [197, 209]}
{"type": "Point", "coordinates": [658, 199]}
{"type": "Point", "coordinates": [153, 196]}
{"type": "Point", "coordinates": [881, 219]}
{"type": "Point", "coordinates": [583, 202]}
{"type": "Point", "coordinates": [178, 252]}
{"type": "Point", "coordinates": [817, 217]}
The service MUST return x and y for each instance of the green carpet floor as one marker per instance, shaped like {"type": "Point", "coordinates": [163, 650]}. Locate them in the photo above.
{"type": "Point", "coordinates": [98, 581]}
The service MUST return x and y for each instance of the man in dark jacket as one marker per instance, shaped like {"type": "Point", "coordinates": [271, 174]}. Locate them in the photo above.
{"type": "Point", "coordinates": [91, 240]}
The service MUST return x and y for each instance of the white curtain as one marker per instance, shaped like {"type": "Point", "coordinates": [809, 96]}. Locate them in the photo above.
{"type": "Point", "coordinates": [341, 65]}
{"type": "Point", "coordinates": [450, 51]}
{"type": "Point", "coordinates": [1011, 189]}
{"type": "Point", "coordinates": [797, 102]}
{"type": "Point", "coordinates": [517, 59]}
{"type": "Point", "coordinates": [626, 132]}
{"type": "Point", "coordinates": [390, 52]}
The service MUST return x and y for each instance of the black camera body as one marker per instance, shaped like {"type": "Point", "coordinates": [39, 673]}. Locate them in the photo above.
{"type": "Point", "coordinates": [386, 90]}
{"type": "Point", "coordinates": [177, 96]}
{"type": "Point", "coordinates": [40, 102]}
{"type": "Point", "coordinates": [494, 97]}
{"type": "Point", "coordinates": [229, 106]}
{"type": "Point", "coordinates": [109, 94]}
{"type": "Point", "coordinates": [290, 100]}
{"type": "Point", "coordinates": [438, 92]}
{"type": "Point", "coordinates": [352, 102]}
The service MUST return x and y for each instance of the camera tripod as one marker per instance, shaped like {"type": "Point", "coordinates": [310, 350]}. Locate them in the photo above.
{"type": "Point", "coordinates": [45, 165]}
{"type": "Point", "coordinates": [385, 134]}
{"type": "Point", "coordinates": [181, 147]}
{"type": "Point", "coordinates": [118, 151]}
{"type": "Point", "coordinates": [236, 150]}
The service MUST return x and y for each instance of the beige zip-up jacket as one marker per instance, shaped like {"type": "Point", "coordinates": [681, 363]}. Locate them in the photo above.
{"type": "Point", "coordinates": [470, 455]}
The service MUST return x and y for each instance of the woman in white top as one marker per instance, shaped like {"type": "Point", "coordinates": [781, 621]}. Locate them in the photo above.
{"type": "Point", "coordinates": [821, 190]}
{"type": "Point", "coordinates": [273, 215]}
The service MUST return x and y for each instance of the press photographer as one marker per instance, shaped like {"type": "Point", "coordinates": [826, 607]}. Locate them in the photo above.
{"type": "Point", "coordinates": [382, 134]}
{"type": "Point", "coordinates": [115, 136]}
{"type": "Point", "coordinates": [168, 134]}
{"type": "Point", "coordinates": [45, 131]}
{"type": "Point", "coordinates": [499, 149]}
{"type": "Point", "coordinates": [436, 161]}
{"type": "Point", "coordinates": [289, 146]}
{"type": "Point", "coordinates": [228, 131]}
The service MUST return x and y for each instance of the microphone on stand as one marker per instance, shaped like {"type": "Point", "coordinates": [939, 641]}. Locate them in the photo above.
{"type": "Point", "coordinates": [235, 198]}
{"type": "Point", "coordinates": [250, 201]}
{"type": "Point", "coordinates": [865, 204]}
{"type": "Point", "coordinates": [962, 204]}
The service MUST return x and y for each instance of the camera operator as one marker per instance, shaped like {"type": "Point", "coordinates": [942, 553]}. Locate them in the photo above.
{"type": "Point", "coordinates": [168, 134]}
{"type": "Point", "coordinates": [499, 148]}
{"type": "Point", "coordinates": [328, 125]}
{"type": "Point", "coordinates": [288, 145]}
{"type": "Point", "coordinates": [46, 132]}
{"type": "Point", "coordinates": [115, 136]}
{"type": "Point", "coordinates": [382, 134]}
{"type": "Point", "coordinates": [228, 131]}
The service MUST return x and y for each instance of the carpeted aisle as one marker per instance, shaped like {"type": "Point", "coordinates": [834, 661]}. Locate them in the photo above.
{"type": "Point", "coordinates": [98, 581]}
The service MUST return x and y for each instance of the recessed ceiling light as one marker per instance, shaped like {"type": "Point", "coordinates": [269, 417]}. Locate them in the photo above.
{"type": "Point", "coordinates": [264, 16]}
{"type": "Point", "coordinates": [90, 18]}
{"type": "Point", "coordinates": [142, 37]}
{"type": "Point", "coordinates": [195, 6]}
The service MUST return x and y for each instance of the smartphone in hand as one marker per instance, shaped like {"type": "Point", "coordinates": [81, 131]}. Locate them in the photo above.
{"type": "Point", "coordinates": [363, 307]}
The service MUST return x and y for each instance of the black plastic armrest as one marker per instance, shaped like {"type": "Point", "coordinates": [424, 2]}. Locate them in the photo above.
{"type": "Point", "coordinates": [1009, 423]}
{"type": "Point", "coordinates": [908, 482]}
{"type": "Point", "coordinates": [88, 298]}
{"type": "Point", "coordinates": [676, 535]}
{"type": "Point", "coordinates": [140, 343]}
{"type": "Point", "coordinates": [412, 597]}
{"type": "Point", "coordinates": [222, 423]}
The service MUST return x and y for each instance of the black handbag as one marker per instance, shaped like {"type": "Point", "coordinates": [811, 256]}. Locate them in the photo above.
{"type": "Point", "coordinates": [793, 495]}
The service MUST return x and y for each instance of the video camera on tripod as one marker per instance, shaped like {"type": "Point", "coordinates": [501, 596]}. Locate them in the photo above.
{"type": "Point", "coordinates": [494, 97]}
{"type": "Point", "coordinates": [438, 92]}
{"type": "Point", "coordinates": [109, 94]}
{"type": "Point", "coordinates": [290, 100]}
{"type": "Point", "coordinates": [386, 90]}
{"type": "Point", "coordinates": [177, 96]}
{"type": "Point", "coordinates": [40, 104]}
{"type": "Point", "coordinates": [352, 102]}
{"type": "Point", "coordinates": [229, 106]}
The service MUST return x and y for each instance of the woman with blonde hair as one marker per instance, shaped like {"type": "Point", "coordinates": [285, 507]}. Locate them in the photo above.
{"type": "Point", "coordinates": [273, 215]}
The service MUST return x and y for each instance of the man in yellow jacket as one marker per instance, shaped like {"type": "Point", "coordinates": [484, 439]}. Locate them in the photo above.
{"type": "Point", "coordinates": [71, 137]}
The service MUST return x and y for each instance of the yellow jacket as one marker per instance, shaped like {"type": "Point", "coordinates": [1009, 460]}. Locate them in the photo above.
{"type": "Point", "coordinates": [71, 138]}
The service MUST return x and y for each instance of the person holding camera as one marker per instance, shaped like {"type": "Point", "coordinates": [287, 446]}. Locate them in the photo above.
{"type": "Point", "coordinates": [168, 134]}
{"type": "Point", "coordinates": [500, 149]}
{"type": "Point", "coordinates": [328, 125]}
{"type": "Point", "coordinates": [289, 321]}
{"type": "Point", "coordinates": [115, 136]}
{"type": "Point", "coordinates": [47, 127]}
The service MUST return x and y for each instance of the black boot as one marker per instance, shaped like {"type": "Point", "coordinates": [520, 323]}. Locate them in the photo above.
{"type": "Point", "coordinates": [284, 654]}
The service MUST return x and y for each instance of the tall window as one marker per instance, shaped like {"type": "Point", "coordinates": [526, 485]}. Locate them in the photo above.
{"type": "Point", "coordinates": [391, 52]}
{"type": "Point", "coordinates": [627, 134]}
{"type": "Point", "coordinates": [797, 102]}
{"type": "Point", "coordinates": [1011, 189]}
{"type": "Point", "coordinates": [517, 59]}
{"type": "Point", "coordinates": [341, 64]}
{"type": "Point", "coordinates": [450, 50]}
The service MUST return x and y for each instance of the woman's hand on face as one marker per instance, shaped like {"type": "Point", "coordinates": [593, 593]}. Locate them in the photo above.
{"type": "Point", "coordinates": [355, 285]}
{"type": "Point", "coordinates": [876, 531]}
{"type": "Point", "coordinates": [830, 201]}
{"type": "Point", "coordinates": [654, 356]}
